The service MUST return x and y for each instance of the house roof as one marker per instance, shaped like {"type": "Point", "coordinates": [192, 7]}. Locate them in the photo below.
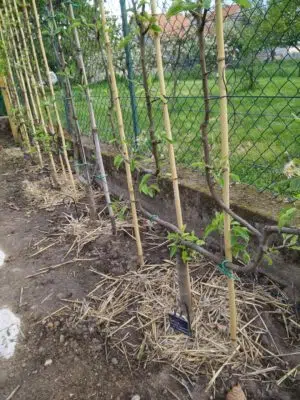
{"type": "Point", "coordinates": [228, 11]}
{"type": "Point", "coordinates": [179, 24]}
{"type": "Point", "coordinates": [176, 25]}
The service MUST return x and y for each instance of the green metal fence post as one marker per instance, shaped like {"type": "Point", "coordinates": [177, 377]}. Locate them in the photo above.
{"type": "Point", "coordinates": [129, 65]}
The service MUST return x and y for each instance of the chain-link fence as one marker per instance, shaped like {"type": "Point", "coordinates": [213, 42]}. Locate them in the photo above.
{"type": "Point", "coordinates": [263, 81]}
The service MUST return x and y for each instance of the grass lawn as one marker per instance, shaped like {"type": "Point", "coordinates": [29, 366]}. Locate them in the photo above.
{"type": "Point", "coordinates": [262, 120]}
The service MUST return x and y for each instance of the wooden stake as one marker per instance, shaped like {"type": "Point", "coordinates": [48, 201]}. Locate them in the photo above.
{"type": "Point", "coordinates": [225, 160]}
{"type": "Point", "coordinates": [18, 32]}
{"type": "Point", "coordinates": [93, 123]}
{"type": "Point", "coordinates": [122, 133]}
{"type": "Point", "coordinates": [8, 106]}
{"type": "Point", "coordinates": [38, 114]}
{"type": "Point", "coordinates": [78, 134]}
{"type": "Point", "coordinates": [183, 270]}
{"type": "Point", "coordinates": [22, 125]}
{"type": "Point", "coordinates": [38, 70]}
{"type": "Point", "coordinates": [21, 74]}
{"type": "Point", "coordinates": [60, 128]}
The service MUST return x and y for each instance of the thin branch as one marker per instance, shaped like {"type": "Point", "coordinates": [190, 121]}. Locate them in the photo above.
{"type": "Point", "coordinates": [251, 267]}
{"type": "Point", "coordinates": [276, 229]}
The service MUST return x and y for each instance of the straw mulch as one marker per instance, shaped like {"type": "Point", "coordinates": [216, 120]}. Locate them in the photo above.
{"type": "Point", "coordinates": [12, 155]}
{"type": "Point", "coordinates": [132, 310]}
{"type": "Point", "coordinates": [40, 194]}
{"type": "Point", "coordinates": [83, 231]}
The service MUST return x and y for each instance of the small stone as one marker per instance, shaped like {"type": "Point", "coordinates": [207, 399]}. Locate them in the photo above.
{"type": "Point", "coordinates": [61, 339]}
{"type": "Point", "coordinates": [50, 325]}
{"type": "Point", "coordinates": [41, 350]}
{"type": "Point", "coordinates": [91, 329]}
{"type": "Point", "coordinates": [136, 397]}
{"type": "Point", "coordinates": [114, 361]}
{"type": "Point", "coordinates": [48, 362]}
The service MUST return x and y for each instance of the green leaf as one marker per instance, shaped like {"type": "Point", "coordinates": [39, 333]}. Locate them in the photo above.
{"type": "Point", "coordinates": [125, 41]}
{"type": "Point", "coordinates": [287, 216]}
{"type": "Point", "coordinates": [215, 225]}
{"type": "Point", "coordinates": [185, 256]}
{"type": "Point", "coordinates": [179, 6]}
{"type": "Point", "coordinates": [118, 160]}
{"type": "Point", "coordinates": [145, 179]}
{"type": "Point", "coordinates": [268, 259]}
{"type": "Point", "coordinates": [155, 28]}
{"type": "Point", "coordinates": [243, 3]}
{"type": "Point", "coordinates": [132, 165]}
{"type": "Point", "coordinates": [173, 250]}
{"type": "Point", "coordinates": [235, 178]}
{"type": "Point", "coordinates": [293, 240]}
{"type": "Point", "coordinates": [295, 248]}
{"type": "Point", "coordinates": [155, 187]}
{"type": "Point", "coordinates": [206, 4]}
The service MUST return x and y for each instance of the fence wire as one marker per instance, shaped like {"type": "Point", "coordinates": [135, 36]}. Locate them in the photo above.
{"type": "Point", "coordinates": [263, 81]}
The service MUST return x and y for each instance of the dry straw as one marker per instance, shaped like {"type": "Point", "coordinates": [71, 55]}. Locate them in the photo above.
{"type": "Point", "coordinates": [132, 310]}
{"type": "Point", "coordinates": [39, 194]}
{"type": "Point", "coordinates": [125, 154]}
{"type": "Point", "coordinates": [225, 160]}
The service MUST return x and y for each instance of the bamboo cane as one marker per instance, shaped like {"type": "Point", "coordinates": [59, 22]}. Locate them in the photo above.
{"type": "Point", "coordinates": [44, 97]}
{"type": "Point", "coordinates": [22, 125]}
{"type": "Point", "coordinates": [225, 158]}
{"type": "Point", "coordinates": [36, 100]}
{"type": "Point", "coordinates": [21, 74]}
{"type": "Point", "coordinates": [17, 30]}
{"type": "Point", "coordinates": [38, 70]}
{"type": "Point", "coordinates": [182, 268]}
{"type": "Point", "coordinates": [15, 96]}
{"type": "Point", "coordinates": [122, 134]}
{"type": "Point", "coordinates": [60, 128]}
{"type": "Point", "coordinates": [63, 64]}
{"type": "Point", "coordinates": [93, 123]}
{"type": "Point", "coordinates": [8, 105]}
{"type": "Point", "coordinates": [52, 130]}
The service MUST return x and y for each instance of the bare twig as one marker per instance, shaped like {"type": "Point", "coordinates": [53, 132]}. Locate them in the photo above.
{"type": "Point", "coordinates": [13, 393]}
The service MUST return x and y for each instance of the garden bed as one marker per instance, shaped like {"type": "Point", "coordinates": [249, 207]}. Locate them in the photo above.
{"type": "Point", "coordinates": [96, 326]}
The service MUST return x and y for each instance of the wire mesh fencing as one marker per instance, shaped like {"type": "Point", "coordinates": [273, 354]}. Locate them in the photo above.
{"type": "Point", "coordinates": [262, 79]}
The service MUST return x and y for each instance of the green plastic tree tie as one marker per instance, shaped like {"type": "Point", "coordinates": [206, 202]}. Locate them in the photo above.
{"type": "Point", "coordinates": [78, 164]}
{"type": "Point", "coordinates": [225, 270]}
{"type": "Point", "coordinates": [101, 177]}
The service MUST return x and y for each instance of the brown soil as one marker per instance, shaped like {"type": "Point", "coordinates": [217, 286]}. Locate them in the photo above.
{"type": "Point", "coordinates": [83, 364]}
